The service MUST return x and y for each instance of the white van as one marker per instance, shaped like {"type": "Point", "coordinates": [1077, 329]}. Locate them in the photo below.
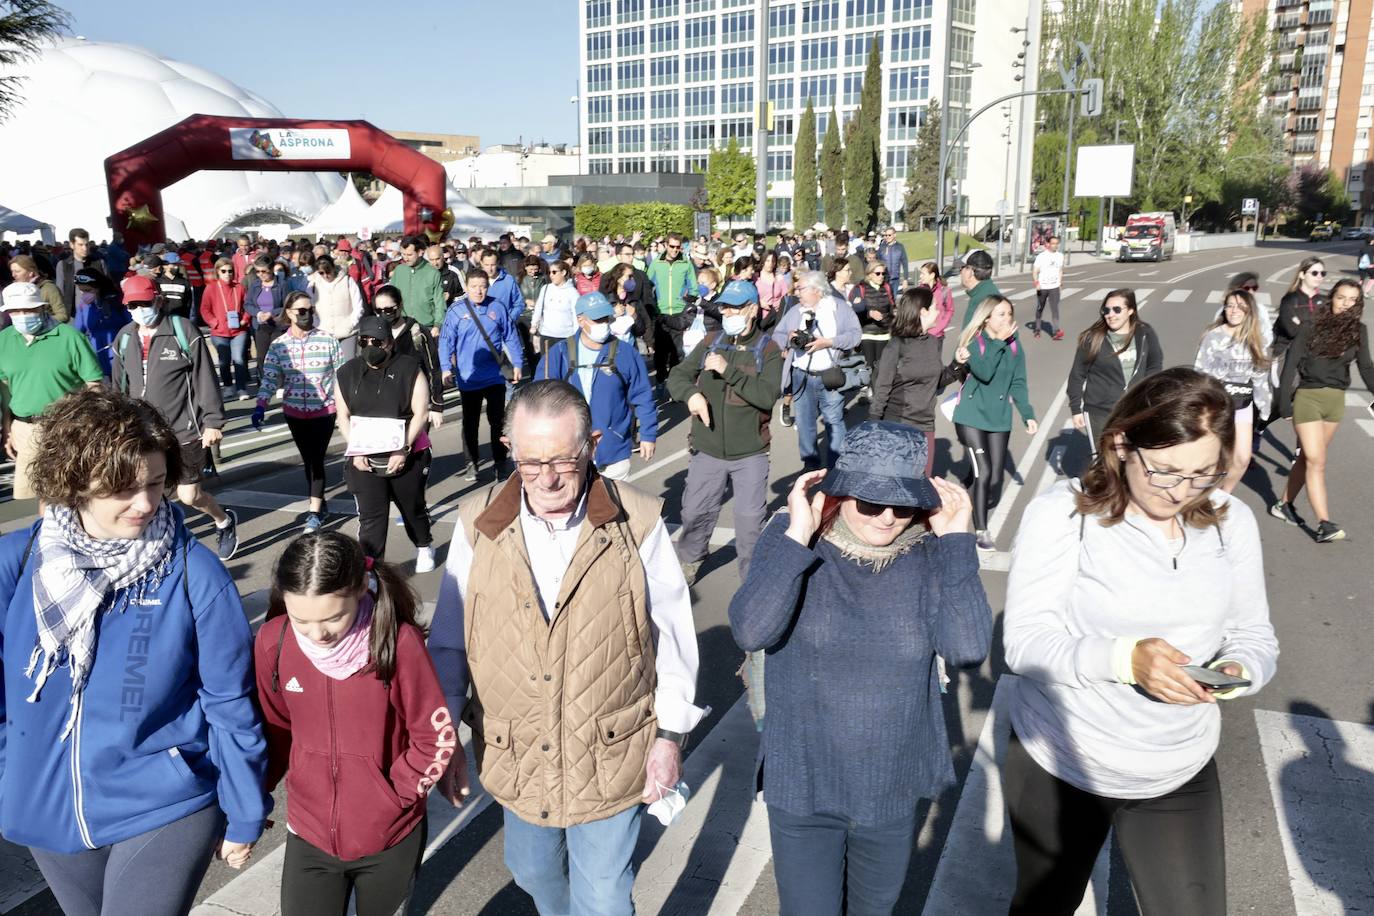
{"type": "Point", "coordinates": [1148, 237]}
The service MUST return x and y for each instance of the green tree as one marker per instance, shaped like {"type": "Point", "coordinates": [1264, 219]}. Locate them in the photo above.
{"type": "Point", "coordinates": [24, 27]}
{"type": "Point", "coordinates": [730, 181]}
{"type": "Point", "coordinates": [863, 166]}
{"type": "Point", "coordinates": [804, 170]}
{"type": "Point", "coordinates": [857, 177]}
{"type": "Point", "coordinates": [832, 173]}
{"type": "Point", "coordinates": [922, 181]}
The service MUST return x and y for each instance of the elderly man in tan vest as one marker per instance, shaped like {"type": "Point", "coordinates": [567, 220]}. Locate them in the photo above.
{"type": "Point", "coordinates": [564, 637]}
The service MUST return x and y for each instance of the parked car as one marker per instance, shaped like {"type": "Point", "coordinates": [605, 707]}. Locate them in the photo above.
{"type": "Point", "coordinates": [1322, 232]}
{"type": "Point", "coordinates": [1354, 232]}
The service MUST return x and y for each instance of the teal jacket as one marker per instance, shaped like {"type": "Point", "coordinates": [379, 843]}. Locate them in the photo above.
{"type": "Point", "coordinates": [976, 296]}
{"type": "Point", "coordinates": [997, 377]}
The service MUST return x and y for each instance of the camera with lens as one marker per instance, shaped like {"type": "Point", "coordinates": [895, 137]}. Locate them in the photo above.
{"type": "Point", "coordinates": [801, 338]}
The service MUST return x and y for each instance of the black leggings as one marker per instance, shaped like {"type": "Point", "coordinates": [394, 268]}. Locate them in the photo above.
{"type": "Point", "coordinates": [1174, 845]}
{"type": "Point", "coordinates": [314, 883]}
{"type": "Point", "coordinates": [495, 396]}
{"type": "Point", "coordinates": [375, 495]}
{"type": "Point", "coordinates": [987, 452]}
{"type": "Point", "coordinates": [312, 435]}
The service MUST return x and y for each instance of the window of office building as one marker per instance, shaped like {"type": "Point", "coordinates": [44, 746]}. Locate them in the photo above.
{"type": "Point", "coordinates": [630, 107]}
{"type": "Point", "coordinates": [599, 78]}
{"type": "Point", "coordinates": [964, 12]}
{"type": "Point", "coordinates": [820, 90]}
{"type": "Point", "coordinates": [853, 88]}
{"type": "Point", "coordinates": [629, 74]}
{"type": "Point", "coordinates": [739, 129]}
{"type": "Point", "coordinates": [699, 33]}
{"type": "Point", "coordinates": [632, 166]}
{"type": "Point", "coordinates": [663, 104]}
{"type": "Point", "coordinates": [736, 98]}
{"type": "Point", "coordinates": [961, 47]}
{"type": "Point", "coordinates": [629, 10]}
{"type": "Point", "coordinates": [782, 58]}
{"type": "Point", "coordinates": [663, 37]}
{"type": "Point", "coordinates": [599, 140]}
{"type": "Point", "coordinates": [910, 10]}
{"type": "Point", "coordinates": [822, 122]}
{"type": "Point", "coordinates": [599, 109]}
{"type": "Point", "coordinates": [737, 27]}
{"type": "Point", "coordinates": [782, 21]}
{"type": "Point", "coordinates": [600, 166]}
{"type": "Point", "coordinates": [780, 165]}
{"type": "Point", "coordinates": [908, 84]}
{"type": "Point", "coordinates": [737, 64]}
{"type": "Point", "coordinates": [663, 71]}
{"type": "Point", "coordinates": [898, 158]}
{"type": "Point", "coordinates": [780, 93]}
{"type": "Point", "coordinates": [731, 4]}
{"type": "Point", "coordinates": [859, 13]}
{"type": "Point", "coordinates": [694, 165]}
{"type": "Point", "coordinates": [779, 210]}
{"type": "Point", "coordinates": [631, 139]}
{"type": "Point", "coordinates": [699, 6]}
{"type": "Point", "coordinates": [698, 102]}
{"type": "Point", "coordinates": [664, 165]}
{"type": "Point", "coordinates": [700, 68]}
{"type": "Point", "coordinates": [904, 123]}
{"type": "Point", "coordinates": [598, 45]}
{"type": "Point", "coordinates": [629, 42]}
{"type": "Point", "coordinates": [820, 53]}
{"type": "Point", "coordinates": [661, 9]}
{"type": "Point", "coordinates": [783, 132]}
{"type": "Point", "coordinates": [699, 134]}
{"type": "Point", "coordinates": [662, 137]}
{"type": "Point", "coordinates": [856, 49]}
{"type": "Point", "coordinates": [598, 13]}
{"type": "Point", "coordinates": [907, 45]}
{"type": "Point", "coordinates": [820, 16]}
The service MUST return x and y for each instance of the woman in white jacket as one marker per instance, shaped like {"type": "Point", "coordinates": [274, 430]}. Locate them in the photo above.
{"type": "Point", "coordinates": [555, 311]}
{"type": "Point", "coordinates": [1117, 582]}
{"type": "Point", "coordinates": [338, 305]}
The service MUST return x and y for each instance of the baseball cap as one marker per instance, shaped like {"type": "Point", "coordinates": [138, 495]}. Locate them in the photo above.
{"type": "Point", "coordinates": [594, 306]}
{"type": "Point", "coordinates": [139, 289]}
{"type": "Point", "coordinates": [374, 326]}
{"type": "Point", "coordinates": [737, 293]}
{"type": "Point", "coordinates": [23, 296]}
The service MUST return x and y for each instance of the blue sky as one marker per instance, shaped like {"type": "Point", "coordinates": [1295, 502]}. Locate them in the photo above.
{"type": "Point", "coordinates": [501, 70]}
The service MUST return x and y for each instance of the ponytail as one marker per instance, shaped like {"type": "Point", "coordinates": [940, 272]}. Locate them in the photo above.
{"type": "Point", "coordinates": [394, 605]}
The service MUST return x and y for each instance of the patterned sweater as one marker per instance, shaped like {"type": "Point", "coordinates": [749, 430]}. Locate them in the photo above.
{"type": "Point", "coordinates": [1229, 361]}
{"type": "Point", "coordinates": [303, 367]}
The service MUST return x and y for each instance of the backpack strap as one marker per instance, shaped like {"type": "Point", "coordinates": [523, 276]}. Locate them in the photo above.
{"type": "Point", "coordinates": [182, 334]}
{"type": "Point", "coordinates": [276, 661]}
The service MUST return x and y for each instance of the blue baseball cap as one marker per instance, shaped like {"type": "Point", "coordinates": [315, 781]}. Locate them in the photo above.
{"type": "Point", "coordinates": [737, 293]}
{"type": "Point", "coordinates": [594, 306]}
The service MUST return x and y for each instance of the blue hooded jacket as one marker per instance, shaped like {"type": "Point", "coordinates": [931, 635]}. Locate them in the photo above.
{"type": "Point", "coordinates": [505, 290]}
{"type": "Point", "coordinates": [464, 352]}
{"type": "Point", "coordinates": [166, 726]}
{"type": "Point", "coordinates": [616, 393]}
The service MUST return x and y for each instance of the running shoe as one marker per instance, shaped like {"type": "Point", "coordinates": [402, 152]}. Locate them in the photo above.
{"type": "Point", "coordinates": [471, 473]}
{"type": "Point", "coordinates": [313, 522]}
{"type": "Point", "coordinates": [1328, 532]}
{"type": "Point", "coordinates": [243, 395]}
{"type": "Point", "coordinates": [1058, 335]}
{"type": "Point", "coordinates": [1284, 512]}
{"type": "Point", "coordinates": [424, 559]}
{"type": "Point", "coordinates": [787, 415]}
{"type": "Point", "coordinates": [983, 540]}
{"type": "Point", "coordinates": [690, 571]}
{"type": "Point", "coordinates": [228, 537]}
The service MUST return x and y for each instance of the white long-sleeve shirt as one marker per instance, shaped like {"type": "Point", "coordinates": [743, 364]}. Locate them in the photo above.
{"type": "Point", "coordinates": [1073, 599]}
{"type": "Point", "coordinates": [551, 547]}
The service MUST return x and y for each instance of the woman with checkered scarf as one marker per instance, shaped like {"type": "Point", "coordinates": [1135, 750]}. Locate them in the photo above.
{"type": "Point", "coordinates": [130, 748]}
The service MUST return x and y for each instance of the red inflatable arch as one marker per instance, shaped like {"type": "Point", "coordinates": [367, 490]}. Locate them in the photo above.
{"type": "Point", "coordinates": [137, 175]}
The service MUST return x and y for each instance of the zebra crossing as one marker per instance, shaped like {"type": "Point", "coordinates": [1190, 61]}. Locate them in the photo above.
{"type": "Point", "coordinates": [1143, 294]}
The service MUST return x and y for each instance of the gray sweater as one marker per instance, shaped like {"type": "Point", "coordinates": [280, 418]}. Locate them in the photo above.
{"type": "Point", "coordinates": [855, 724]}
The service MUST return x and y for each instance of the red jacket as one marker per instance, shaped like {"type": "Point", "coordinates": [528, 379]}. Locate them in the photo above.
{"type": "Point", "coordinates": [219, 300]}
{"type": "Point", "coordinates": [359, 758]}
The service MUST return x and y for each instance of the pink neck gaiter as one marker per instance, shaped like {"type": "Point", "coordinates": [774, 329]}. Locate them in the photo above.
{"type": "Point", "coordinates": [349, 655]}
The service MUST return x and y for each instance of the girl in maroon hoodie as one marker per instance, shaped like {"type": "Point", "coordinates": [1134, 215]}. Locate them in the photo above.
{"type": "Point", "coordinates": [356, 722]}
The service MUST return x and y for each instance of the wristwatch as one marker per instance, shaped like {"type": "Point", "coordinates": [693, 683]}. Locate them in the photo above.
{"type": "Point", "coordinates": [677, 738]}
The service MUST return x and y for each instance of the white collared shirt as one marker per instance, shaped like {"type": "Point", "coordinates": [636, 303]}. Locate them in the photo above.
{"type": "Point", "coordinates": [827, 327]}
{"type": "Point", "coordinates": [550, 546]}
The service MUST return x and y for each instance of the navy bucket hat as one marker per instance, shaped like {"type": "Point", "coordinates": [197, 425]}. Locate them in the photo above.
{"type": "Point", "coordinates": [883, 463]}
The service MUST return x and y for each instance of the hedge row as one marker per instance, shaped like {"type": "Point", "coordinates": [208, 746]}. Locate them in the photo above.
{"type": "Point", "coordinates": [650, 219]}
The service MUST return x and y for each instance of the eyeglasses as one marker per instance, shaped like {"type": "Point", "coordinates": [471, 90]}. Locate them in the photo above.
{"type": "Point", "coordinates": [872, 510]}
{"type": "Point", "coordinates": [1112, 310]}
{"type": "Point", "coordinates": [1316, 273]}
{"type": "Point", "coordinates": [1251, 287]}
{"type": "Point", "coordinates": [672, 247]}
{"type": "Point", "coordinates": [226, 270]}
{"type": "Point", "coordinates": [1168, 480]}
{"type": "Point", "coordinates": [879, 273]}
{"type": "Point", "coordinates": [531, 469]}
{"type": "Point", "coordinates": [303, 312]}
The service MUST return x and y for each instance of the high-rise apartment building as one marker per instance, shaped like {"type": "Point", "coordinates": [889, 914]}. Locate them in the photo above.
{"type": "Point", "coordinates": [1322, 91]}
{"type": "Point", "coordinates": [662, 82]}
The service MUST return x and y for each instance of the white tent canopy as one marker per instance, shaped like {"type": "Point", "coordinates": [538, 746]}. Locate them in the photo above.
{"type": "Point", "coordinates": [345, 216]}
{"type": "Point", "coordinates": [389, 215]}
{"type": "Point", "coordinates": [19, 224]}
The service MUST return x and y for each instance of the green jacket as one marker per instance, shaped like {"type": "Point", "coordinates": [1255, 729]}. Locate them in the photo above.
{"type": "Point", "coordinates": [671, 279]}
{"type": "Point", "coordinates": [996, 379]}
{"type": "Point", "coordinates": [976, 295]}
{"type": "Point", "coordinates": [422, 293]}
{"type": "Point", "coordinates": [741, 399]}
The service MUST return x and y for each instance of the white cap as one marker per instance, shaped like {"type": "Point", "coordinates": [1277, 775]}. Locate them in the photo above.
{"type": "Point", "coordinates": [22, 296]}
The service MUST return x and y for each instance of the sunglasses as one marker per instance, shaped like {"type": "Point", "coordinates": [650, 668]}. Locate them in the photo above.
{"type": "Point", "coordinates": [871, 510]}
{"type": "Point", "coordinates": [1113, 309]}
{"type": "Point", "coordinates": [226, 270]}
{"type": "Point", "coordinates": [371, 342]}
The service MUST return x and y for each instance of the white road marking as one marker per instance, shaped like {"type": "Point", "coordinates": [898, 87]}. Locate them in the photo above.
{"type": "Point", "coordinates": [1142, 294]}
{"type": "Point", "coordinates": [656, 464]}
{"type": "Point", "coordinates": [1366, 425]}
{"type": "Point", "coordinates": [1177, 295]}
{"type": "Point", "coordinates": [1100, 293]}
{"type": "Point", "coordinates": [1201, 270]}
{"type": "Point", "coordinates": [1281, 275]}
{"type": "Point", "coordinates": [1321, 776]}
{"type": "Point", "coordinates": [1263, 299]}
{"type": "Point", "coordinates": [1012, 488]}
{"type": "Point", "coordinates": [1068, 291]}
{"type": "Point", "coordinates": [976, 874]}
{"type": "Point", "coordinates": [1024, 294]}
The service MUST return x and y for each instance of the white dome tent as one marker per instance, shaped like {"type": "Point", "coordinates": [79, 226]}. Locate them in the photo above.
{"type": "Point", "coordinates": [345, 216]}
{"type": "Point", "coordinates": [387, 215]}
{"type": "Point", "coordinates": [85, 100]}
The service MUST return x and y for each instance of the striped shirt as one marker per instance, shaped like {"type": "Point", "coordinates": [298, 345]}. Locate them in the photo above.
{"type": "Point", "coordinates": [304, 368]}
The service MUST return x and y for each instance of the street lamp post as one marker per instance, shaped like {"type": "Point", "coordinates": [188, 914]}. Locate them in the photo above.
{"type": "Point", "coordinates": [576, 101]}
{"type": "Point", "coordinates": [1020, 138]}
{"type": "Point", "coordinates": [965, 70]}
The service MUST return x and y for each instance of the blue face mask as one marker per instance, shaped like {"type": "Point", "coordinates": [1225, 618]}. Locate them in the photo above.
{"type": "Point", "coordinates": [28, 324]}
{"type": "Point", "coordinates": [703, 290]}
{"type": "Point", "coordinates": [630, 285]}
{"type": "Point", "coordinates": [145, 315]}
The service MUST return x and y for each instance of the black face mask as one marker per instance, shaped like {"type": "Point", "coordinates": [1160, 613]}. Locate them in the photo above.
{"type": "Point", "coordinates": [390, 316]}
{"type": "Point", "coordinates": [374, 356]}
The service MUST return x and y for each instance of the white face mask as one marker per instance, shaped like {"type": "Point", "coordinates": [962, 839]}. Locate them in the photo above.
{"type": "Point", "coordinates": [671, 804]}
{"type": "Point", "coordinates": [588, 270]}
{"type": "Point", "coordinates": [620, 327]}
{"type": "Point", "coordinates": [599, 331]}
{"type": "Point", "coordinates": [734, 325]}
{"type": "Point", "coordinates": [146, 316]}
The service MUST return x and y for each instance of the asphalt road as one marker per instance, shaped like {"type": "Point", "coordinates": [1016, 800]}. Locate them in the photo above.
{"type": "Point", "coordinates": [1280, 826]}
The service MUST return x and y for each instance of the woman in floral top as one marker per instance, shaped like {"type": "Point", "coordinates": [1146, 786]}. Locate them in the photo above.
{"type": "Point", "coordinates": [1233, 352]}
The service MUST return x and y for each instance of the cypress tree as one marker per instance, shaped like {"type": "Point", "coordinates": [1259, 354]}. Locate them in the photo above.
{"type": "Point", "coordinates": [832, 173]}
{"type": "Point", "coordinates": [804, 170]}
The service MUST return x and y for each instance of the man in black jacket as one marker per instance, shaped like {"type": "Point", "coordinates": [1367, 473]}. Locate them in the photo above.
{"type": "Point", "coordinates": [83, 255]}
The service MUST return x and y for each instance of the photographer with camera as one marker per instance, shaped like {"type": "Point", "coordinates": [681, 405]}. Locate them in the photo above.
{"type": "Point", "coordinates": [812, 335]}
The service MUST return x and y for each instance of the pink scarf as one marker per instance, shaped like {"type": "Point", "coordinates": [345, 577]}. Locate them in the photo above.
{"type": "Point", "coordinates": [349, 655]}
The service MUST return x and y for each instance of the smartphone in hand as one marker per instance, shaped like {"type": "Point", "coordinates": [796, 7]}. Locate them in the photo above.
{"type": "Point", "coordinates": [1213, 680]}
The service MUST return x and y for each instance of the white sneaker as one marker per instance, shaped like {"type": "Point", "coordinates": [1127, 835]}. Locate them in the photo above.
{"type": "Point", "coordinates": [424, 559]}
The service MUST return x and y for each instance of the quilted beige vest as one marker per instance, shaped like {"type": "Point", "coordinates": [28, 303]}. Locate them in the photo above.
{"type": "Point", "coordinates": [562, 711]}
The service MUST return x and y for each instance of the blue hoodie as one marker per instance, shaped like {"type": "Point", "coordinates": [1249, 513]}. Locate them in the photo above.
{"type": "Point", "coordinates": [615, 393]}
{"type": "Point", "coordinates": [464, 353]}
{"type": "Point", "coordinates": [167, 724]}
{"type": "Point", "coordinates": [505, 290]}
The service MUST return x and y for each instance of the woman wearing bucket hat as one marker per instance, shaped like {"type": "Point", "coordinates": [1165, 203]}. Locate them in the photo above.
{"type": "Point", "coordinates": [854, 592]}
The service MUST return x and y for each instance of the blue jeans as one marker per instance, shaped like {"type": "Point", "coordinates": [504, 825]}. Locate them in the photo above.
{"type": "Point", "coordinates": [233, 355]}
{"type": "Point", "coordinates": [827, 864]}
{"type": "Point", "coordinates": [809, 398]}
{"type": "Point", "coordinates": [584, 870]}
